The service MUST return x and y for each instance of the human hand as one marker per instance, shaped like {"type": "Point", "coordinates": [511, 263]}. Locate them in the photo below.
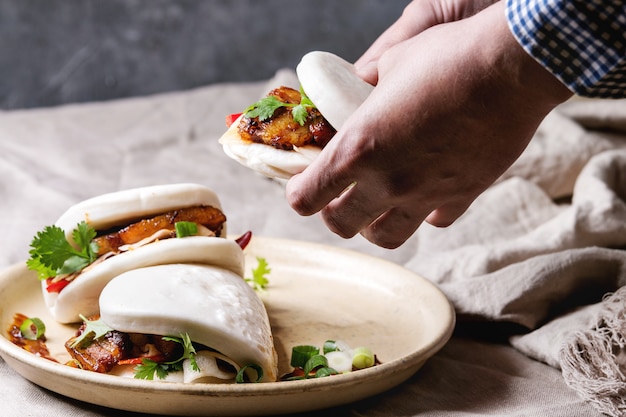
{"type": "Point", "coordinates": [453, 108]}
{"type": "Point", "coordinates": [418, 16]}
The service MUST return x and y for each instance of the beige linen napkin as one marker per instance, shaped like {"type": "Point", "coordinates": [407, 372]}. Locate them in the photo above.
{"type": "Point", "coordinates": [543, 249]}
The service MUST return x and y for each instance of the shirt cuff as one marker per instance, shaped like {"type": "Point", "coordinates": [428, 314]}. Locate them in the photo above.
{"type": "Point", "coordinates": [581, 42]}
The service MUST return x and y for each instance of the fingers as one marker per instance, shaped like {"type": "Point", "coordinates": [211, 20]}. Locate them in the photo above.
{"type": "Point", "coordinates": [354, 210]}
{"type": "Point", "coordinates": [447, 214]}
{"type": "Point", "coordinates": [392, 228]}
{"type": "Point", "coordinates": [322, 182]}
{"type": "Point", "coordinates": [417, 16]}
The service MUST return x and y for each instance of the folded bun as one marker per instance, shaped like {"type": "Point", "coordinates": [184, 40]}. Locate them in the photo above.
{"type": "Point", "coordinates": [214, 306]}
{"type": "Point", "coordinates": [333, 85]}
{"type": "Point", "coordinates": [122, 207]}
{"type": "Point", "coordinates": [81, 296]}
{"type": "Point", "coordinates": [337, 91]}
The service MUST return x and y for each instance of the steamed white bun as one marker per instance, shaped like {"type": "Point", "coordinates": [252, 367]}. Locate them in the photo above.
{"type": "Point", "coordinates": [216, 307]}
{"type": "Point", "coordinates": [112, 209]}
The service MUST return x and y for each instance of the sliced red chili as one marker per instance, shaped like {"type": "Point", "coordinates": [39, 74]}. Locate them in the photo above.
{"type": "Point", "coordinates": [56, 286]}
{"type": "Point", "coordinates": [244, 239]}
{"type": "Point", "coordinates": [230, 119]}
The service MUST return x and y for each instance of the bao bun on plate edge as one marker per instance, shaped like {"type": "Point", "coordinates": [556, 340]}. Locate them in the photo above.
{"type": "Point", "coordinates": [219, 310]}
{"type": "Point", "coordinates": [336, 90]}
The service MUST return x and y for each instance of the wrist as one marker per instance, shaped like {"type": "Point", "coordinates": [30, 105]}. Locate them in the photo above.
{"type": "Point", "coordinates": [526, 79]}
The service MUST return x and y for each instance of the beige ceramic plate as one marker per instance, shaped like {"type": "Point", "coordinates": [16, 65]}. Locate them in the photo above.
{"type": "Point", "coordinates": [316, 293]}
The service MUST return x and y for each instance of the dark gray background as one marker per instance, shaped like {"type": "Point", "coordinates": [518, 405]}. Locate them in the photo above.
{"type": "Point", "coordinates": [63, 51]}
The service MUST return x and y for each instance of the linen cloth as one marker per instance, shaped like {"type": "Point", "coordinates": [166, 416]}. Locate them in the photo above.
{"type": "Point", "coordinates": [527, 267]}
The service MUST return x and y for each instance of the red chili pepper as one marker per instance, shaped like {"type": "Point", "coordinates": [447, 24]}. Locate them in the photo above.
{"type": "Point", "coordinates": [56, 286]}
{"type": "Point", "coordinates": [244, 239]}
{"type": "Point", "coordinates": [230, 119]}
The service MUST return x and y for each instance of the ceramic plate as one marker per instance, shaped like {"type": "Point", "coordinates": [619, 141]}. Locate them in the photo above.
{"type": "Point", "coordinates": [316, 293]}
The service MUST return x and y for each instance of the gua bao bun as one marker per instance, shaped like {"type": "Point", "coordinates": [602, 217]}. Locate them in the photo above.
{"type": "Point", "coordinates": [120, 207]}
{"type": "Point", "coordinates": [111, 211]}
{"type": "Point", "coordinates": [335, 89]}
{"type": "Point", "coordinates": [214, 306]}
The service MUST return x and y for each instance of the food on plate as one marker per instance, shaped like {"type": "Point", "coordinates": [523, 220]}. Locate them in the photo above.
{"type": "Point", "coordinates": [29, 334]}
{"type": "Point", "coordinates": [220, 332]}
{"type": "Point", "coordinates": [102, 237]}
{"type": "Point", "coordinates": [283, 132]}
{"type": "Point", "coordinates": [336, 357]}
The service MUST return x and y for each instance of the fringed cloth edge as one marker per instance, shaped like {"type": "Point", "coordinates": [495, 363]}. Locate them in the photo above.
{"type": "Point", "coordinates": [593, 361]}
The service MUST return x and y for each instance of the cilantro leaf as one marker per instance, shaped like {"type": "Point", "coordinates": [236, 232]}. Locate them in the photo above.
{"type": "Point", "coordinates": [83, 235]}
{"type": "Point", "coordinates": [94, 329]}
{"type": "Point", "coordinates": [43, 272]}
{"type": "Point", "coordinates": [52, 254]}
{"type": "Point", "coordinates": [265, 108]}
{"type": "Point", "coordinates": [148, 368]}
{"type": "Point", "coordinates": [189, 352]}
{"type": "Point", "coordinates": [299, 114]}
{"type": "Point", "coordinates": [259, 274]}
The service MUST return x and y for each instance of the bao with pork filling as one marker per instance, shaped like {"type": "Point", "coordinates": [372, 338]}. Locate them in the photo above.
{"type": "Point", "coordinates": [283, 132]}
{"type": "Point", "coordinates": [102, 237]}
{"type": "Point", "coordinates": [191, 323]}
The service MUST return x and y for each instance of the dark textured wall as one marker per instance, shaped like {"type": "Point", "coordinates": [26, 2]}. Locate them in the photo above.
{"type": "Point", "coordinates": [61, 51]}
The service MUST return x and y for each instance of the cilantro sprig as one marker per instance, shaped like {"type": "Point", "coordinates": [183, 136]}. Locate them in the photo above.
{"type": "Point", "coordinates": [149, 368]}
{"type": "Point", "coordinates": [265, 108]}
{"type": "Point", "coordinates": [94, 329]}
{"type": "Point", "coordinates": [52, 254]}
{"type": "Point", "coordinates": [259, 280]}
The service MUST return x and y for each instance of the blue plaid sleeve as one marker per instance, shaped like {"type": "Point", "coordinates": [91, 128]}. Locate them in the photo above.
{"type": "Point", "coordinates": [581, 42]}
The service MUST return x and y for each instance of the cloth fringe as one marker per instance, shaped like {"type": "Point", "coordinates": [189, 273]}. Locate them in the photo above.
{"type": "Point", "coordinates": [593, 362]}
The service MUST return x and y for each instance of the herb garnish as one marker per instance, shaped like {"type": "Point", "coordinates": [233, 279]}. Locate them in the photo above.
{"type": "Point", "coordinates": [94, 329]}
{"type": "Point", "coordinates": [184, 229]}
{"type": "Point", "coordinates": [52, 254]}
{"type": "Point", "coordinates": [149, 368]}
{"type": "Point", "coordinates": [259, 275]}
{"type": "Point", "coordinates": [265, 108]}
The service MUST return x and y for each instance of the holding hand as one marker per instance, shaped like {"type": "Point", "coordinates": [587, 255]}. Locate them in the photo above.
{"type": "Point", "coordinates": [455, 103]}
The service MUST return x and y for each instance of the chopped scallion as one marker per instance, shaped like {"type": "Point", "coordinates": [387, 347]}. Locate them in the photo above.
{"type": "Point", "coordinates": [300, 355]}
{"type": "Point", "coordinates": [362, 358]}
{"type": "Point", "coordinates": [33, 328]}
{"type": "Point", "coordinates": [184, 229]}
{"type": "Point", "coordinates": [325, 371]}
{"type": "Point", "coordinates": [330, 346]}
{"type": "Point", "coordinates": [241, 375]}
{"type": "Point", "coordinates": [340, 361]}
{"type": "Point", "coordinates": [316, 361]}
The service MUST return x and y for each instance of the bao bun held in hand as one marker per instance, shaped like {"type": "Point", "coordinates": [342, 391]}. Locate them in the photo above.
{"type": "Point", "coordinates": [335, 89]}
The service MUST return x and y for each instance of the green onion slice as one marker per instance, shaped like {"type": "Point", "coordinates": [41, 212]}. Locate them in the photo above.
{"type": "Point", "coordinates": [32, 328]}
{"type": "Point", "coordinates": [241, 375]}
{"type": "Point", "coordinates": [300, 355]}
{"type": "Point", "coordinates": [184, 229]}
{"type": "Point", "coordinates": [330, 346]}
{"type": "Point", "coordinates": [316, 361]}
{"type": "Point", "coordinates": [362, 358]}
{"type": "Point", "coordinates": [325, 371]}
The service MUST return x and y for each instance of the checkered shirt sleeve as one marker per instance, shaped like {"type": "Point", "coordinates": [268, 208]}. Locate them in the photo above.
{"type": "Point", "coordinates": [581, 42]}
